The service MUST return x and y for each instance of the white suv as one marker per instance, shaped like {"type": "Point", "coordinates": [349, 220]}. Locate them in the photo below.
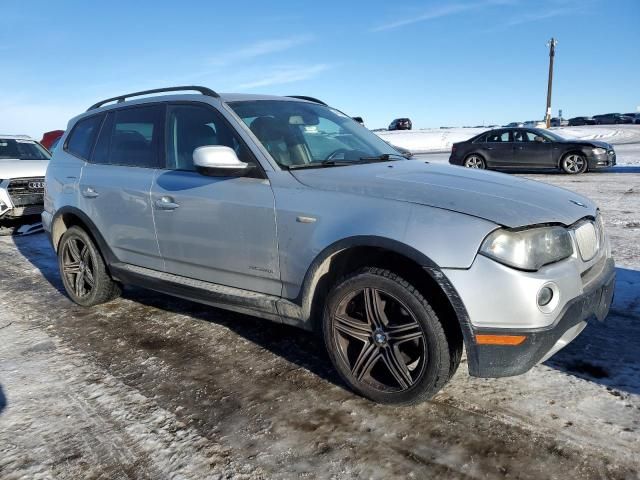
{"type": "Point", "coordinates": [23, 164]}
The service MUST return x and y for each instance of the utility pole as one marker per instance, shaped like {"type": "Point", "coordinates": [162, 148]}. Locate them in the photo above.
{"type": "Point", "coordinates": [552, 53]}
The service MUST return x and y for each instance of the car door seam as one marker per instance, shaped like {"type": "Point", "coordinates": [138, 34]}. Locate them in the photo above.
{"type": "Point", "coordinates": [153, 218]}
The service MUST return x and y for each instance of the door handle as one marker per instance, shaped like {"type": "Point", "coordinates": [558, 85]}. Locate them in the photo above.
{"type": "Point", "coordinates": [89, 192]}
{"type": "Point", "coordinates": [489, 148]}
{"type": "Point", "coordinates": [166, 203]}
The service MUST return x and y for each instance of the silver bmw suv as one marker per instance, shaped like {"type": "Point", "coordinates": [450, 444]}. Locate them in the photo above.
{"type": "Point", "coordinates": [287, 209]}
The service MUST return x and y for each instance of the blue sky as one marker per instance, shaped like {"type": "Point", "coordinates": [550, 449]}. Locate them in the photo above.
{"type": "Point", "coordinates": [465, 62]}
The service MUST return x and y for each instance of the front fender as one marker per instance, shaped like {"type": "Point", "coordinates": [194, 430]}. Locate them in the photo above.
{"type": "Point", "coordinates": [312, 223]}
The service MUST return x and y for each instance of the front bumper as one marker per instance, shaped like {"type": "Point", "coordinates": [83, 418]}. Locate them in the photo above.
{"type": "Point", "coordinates": [542, 343]}
{"type": "Point", "coordinates": [604, 160]}
{"type": "Point", "coordinates": [10, 209]}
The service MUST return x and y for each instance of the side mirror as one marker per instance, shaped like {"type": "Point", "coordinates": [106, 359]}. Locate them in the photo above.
{"type": "Point", "coordinates": [218, 161]}
{"type": "Point", "coordinates": [538, 138]}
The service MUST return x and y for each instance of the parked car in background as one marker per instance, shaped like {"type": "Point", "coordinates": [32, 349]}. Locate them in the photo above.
{"type": "Point", "coordinates": [23, 163]}
{"type": "Point", "coordinates": [558, 122]}
{"type": "Point", "coordinates": [49, 138]}
{"type": "Point", "coordinates": [535, 124]}
{"type": "Point", "coordinates": [579, 121]}
{"type": "Point", "coordinates": [612, 119]}
{"type": "Point", "coordinates": [400, 124]}
{"type": "Point", "coordinates": [634, 116]}
{"type": "Point", "coordinates": [243, 202]}
{"type": "Point", "coordinates": [531, 148]}
{"type": "Point", "coordinates": [54, 144]}
{"type": "Point", "coordinates": [515, 124]}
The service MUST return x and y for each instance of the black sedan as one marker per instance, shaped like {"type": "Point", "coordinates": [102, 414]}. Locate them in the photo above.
{"type": "Point", "coordinates": [531, 148]}
{"type": "Point", "coordinates": [612, 119]}
{"type": "Point", "coordinates": [577, 121]}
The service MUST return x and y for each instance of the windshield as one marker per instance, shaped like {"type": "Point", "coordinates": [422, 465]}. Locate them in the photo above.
{"type": "Point", "coordinates": [19, 149]}
{"type": "Point", "coordinates": [303, 134]}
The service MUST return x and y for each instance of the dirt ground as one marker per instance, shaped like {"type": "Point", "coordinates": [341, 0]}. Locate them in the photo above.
{"type": "Point", "coordinates": [150, 386]}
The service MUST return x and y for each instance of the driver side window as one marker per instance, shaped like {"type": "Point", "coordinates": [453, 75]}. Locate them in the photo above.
{"type": "Point", "coordinates": [193, 126]}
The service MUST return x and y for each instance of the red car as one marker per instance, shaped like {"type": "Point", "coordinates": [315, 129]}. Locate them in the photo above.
{"type": "Point", "coordinates": [49, 139]}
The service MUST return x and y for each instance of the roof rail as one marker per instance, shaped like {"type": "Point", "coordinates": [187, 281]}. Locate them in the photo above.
{"type": "Point", "coordinates": [309, 99]}
{"type": "Point", "coordinates": [122, 98]}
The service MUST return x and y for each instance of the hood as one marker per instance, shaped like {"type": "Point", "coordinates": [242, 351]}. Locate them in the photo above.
{"type": "Point", "coordinates": [22, 168]}
{"type": "Point", "coordinates": [592, 143]}
{"type": "Point", "coordinates": [597, 143]}
{"type": "Point", "coordinates": [500, 198]}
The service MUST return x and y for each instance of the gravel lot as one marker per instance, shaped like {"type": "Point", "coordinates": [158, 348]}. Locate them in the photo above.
{"type": "Point", "coordinates": [149, 386]}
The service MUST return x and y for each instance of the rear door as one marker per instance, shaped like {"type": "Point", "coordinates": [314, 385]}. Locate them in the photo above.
{"type": "Point", "coordinates": [115, 185]}
{"type": "Point", "coordinates": [498, 149]}
{"type": "Point", "coordinates": [532, 150]}
{"type": "Point", "coordinates": [216, 229]}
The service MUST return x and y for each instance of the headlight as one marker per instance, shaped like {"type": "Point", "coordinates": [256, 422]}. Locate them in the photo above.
{"type": "Point", "coordinates": [528, 249]}
{"type": "Point", "coordinates": [599, 151]}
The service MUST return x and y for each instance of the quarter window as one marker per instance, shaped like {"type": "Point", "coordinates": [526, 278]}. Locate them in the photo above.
{"type": "Point", "coordinates": [83, 135]}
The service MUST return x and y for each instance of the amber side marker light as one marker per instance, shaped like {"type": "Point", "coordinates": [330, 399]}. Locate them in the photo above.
{"type": "Point", "coordinates": [500, 339]}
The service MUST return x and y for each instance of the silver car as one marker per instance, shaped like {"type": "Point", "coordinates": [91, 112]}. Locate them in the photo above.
{"type": "Point", "coordinates": [289, 210]}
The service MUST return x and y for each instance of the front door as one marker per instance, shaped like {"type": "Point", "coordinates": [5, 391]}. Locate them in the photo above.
{"type": "Point", "coordinates": [116, 183]}
{"type": "Point", "coordinates": [532, 149]}
{"type": "Point", "coordinates": [216, 229]}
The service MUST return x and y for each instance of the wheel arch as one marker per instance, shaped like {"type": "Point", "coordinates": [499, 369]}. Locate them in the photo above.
{"type": "Point", "coordinates": [347, 255]}
{"type": "Point", "coordinates": [67, 217]}
{"type": "Point", "coordinates": [575, 149]}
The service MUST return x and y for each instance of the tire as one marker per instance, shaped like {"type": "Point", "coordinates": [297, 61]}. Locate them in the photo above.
{"type": "Point", "coordinates": [385, 340]}
{"type": "Point", "coordinates": [573, 163]}
{"type": "Point", "coordinates": [475, 161]}
{"type": "Point", "coordinates": [83, 271]}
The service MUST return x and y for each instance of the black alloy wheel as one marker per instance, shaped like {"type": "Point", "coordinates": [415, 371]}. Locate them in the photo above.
{"type": "Point", "coordinates": [385, 340]}
{"type": "Point", "coordinates": [83, 271]}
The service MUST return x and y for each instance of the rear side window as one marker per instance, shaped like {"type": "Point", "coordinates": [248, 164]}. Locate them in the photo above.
{"type": "Point", "coordinates": [499, 137]}
{"type": "Point", "coordinates": [131, 137]}
{"type": "Point", "coordinates": [84, 133]}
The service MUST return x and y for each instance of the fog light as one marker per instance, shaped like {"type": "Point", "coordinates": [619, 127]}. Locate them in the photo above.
{"type": "Point", "coordinates": [545, 295]}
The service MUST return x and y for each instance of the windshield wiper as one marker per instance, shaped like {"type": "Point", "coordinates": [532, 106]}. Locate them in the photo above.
{"type": "Point", "coordinates": [323, 164]}
{"type": "Point", "coordinates": [385, 157]}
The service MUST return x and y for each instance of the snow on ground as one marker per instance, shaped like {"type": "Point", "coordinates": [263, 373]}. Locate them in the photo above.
{"type": "Point", "coordinates": [440, 140]}
{"type": "Point", "coordinates": [149, 386]}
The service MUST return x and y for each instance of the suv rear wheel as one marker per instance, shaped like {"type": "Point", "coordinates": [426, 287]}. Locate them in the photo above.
{"type": "Point", "coordinates": [384, 338]}
{"type": "Point", "coordinates": [83, 270]}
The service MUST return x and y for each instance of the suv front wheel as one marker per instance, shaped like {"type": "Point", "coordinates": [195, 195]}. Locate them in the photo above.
{"type": "Point", "coordinates": [384, 338]}
{"type": "Point", "coordinates": [83, 270]}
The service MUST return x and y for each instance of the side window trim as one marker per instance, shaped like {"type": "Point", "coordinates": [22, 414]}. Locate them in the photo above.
{"type": "Point", "coordinates": [105, 122]}
{"type": "Point", "coordinates": [167, 132]}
